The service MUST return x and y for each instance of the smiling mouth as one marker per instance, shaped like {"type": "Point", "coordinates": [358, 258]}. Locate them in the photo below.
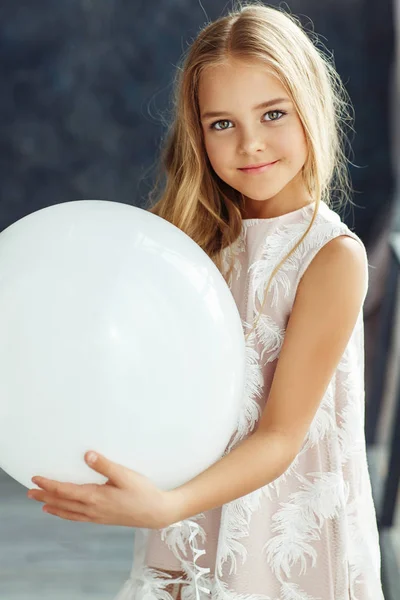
{"type": "Point", "coordinates": [260, 169]}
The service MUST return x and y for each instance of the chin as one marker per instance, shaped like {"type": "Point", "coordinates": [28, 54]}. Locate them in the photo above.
{"type": "Point", "coordinates": [261, 195]}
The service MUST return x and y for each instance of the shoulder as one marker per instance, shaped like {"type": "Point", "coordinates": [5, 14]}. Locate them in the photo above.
{"type": "Point", "coordinates": [344, 245]}
{"type": "Point", "coordinates": [341, 263]}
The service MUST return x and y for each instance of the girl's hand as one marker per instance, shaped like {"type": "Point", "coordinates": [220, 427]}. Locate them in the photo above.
{"type": "Point", "coordinates": [127, 498]}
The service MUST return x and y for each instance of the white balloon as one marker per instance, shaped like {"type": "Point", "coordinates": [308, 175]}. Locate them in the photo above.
{"type": "Point", "coordinates": [117, 334]}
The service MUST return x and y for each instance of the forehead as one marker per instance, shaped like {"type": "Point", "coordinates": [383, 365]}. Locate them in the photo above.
{"type": "Point", "coordinates": [237, 82]}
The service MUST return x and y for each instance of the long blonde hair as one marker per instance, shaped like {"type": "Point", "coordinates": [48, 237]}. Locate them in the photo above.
{"type": "Point", "coordinates": [194, 198]}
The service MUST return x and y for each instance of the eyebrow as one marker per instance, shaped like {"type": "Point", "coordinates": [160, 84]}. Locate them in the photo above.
{"type": "Point", "coordinates": [274, 101]}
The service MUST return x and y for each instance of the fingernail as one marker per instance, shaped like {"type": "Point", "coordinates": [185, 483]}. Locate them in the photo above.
{"type": "Point", "coordinates": [91, 457]}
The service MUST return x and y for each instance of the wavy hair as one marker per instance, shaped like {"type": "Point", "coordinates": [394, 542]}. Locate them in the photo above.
{"type": "Point", "coordinates": [193, 196]}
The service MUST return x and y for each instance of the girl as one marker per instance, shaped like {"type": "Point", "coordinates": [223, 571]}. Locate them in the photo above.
{"type": "Point", "coordinates": [254, 90]}
{"type": "Point", "coordinates": [253, 156]}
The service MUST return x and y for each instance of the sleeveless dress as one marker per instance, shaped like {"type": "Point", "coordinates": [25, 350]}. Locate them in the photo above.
{"type": "Point", "coordinates": [312, 533]}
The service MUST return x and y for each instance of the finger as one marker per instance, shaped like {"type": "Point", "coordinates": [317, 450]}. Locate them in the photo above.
{"type": "Point", "coordinates": [70, 491]}
{"type": "Point", "coordinates": [56, 502]}
{"type": "Point", "coordinates": [64, 514]}
{"type": "Point", "coordinates": [99, 463]}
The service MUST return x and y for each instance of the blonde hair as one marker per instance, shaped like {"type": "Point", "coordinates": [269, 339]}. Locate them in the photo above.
{"type": "Point", "coordinates": [194, 198]}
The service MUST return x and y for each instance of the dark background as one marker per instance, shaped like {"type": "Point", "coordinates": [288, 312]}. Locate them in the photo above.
{"type": "Point", "coordinates": [85, 83]}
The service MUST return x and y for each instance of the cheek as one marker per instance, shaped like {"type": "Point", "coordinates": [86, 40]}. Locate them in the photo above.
{"type": "Point", "coordinates": [300, 141]}
{"type": "Point", "coordinates": [217, 154]}
{"type": "Point", "coordinates": [294, 147]}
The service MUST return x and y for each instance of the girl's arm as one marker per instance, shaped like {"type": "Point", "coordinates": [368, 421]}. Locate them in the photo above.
{"type": "Point", "coordinates": [329, 298]}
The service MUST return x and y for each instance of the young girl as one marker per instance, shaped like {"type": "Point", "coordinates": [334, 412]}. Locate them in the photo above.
{"type": "Point", "coordinates": [254, 90]}
{"type": "Point", "coordinates": [287, 513]}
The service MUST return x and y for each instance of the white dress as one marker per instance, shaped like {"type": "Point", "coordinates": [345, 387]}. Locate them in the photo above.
{"type": "Point", "coordinates": [311, 534]}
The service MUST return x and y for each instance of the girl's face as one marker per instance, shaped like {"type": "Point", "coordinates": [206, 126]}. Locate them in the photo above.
{"type": "Point", "coordinates": [254, 122]}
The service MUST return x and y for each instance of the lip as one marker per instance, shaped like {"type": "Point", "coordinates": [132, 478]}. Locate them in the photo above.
{"type": "Point", "coordinates": [257, 168]}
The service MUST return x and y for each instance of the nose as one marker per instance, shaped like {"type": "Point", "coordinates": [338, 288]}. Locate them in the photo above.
{"type": "Point", "coordinates": [251, 140]}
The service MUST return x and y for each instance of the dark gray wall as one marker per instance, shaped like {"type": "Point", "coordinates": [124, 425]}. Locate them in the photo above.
{"type": "Point", "coordinates": [83, 84]}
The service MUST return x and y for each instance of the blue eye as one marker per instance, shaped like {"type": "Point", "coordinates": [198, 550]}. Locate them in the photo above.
{"type": "Point", "coordinates": [274, 112]}
{"type": "Point", "coordinates": [270, 112]}
{"type": "Point", "coordinates": [212, 126]}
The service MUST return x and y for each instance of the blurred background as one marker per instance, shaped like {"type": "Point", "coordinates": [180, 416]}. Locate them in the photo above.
{"type": "Point", "coordinates": [84, 86]}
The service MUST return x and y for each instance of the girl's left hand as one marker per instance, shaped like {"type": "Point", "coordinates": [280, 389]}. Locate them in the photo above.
{"type": "Point", "coordinates": [127, 498]}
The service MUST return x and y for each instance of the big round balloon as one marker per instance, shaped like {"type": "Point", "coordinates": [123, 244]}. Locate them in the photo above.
{"type": "Point", "coordinates": [117, 334]}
